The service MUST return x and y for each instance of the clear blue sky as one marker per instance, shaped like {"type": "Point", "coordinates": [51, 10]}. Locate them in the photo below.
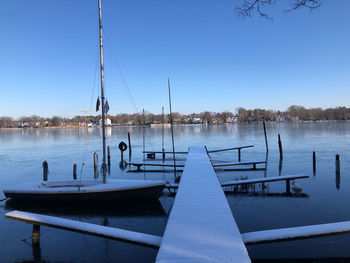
{"type": "Point", "coordinates": [216, 60]}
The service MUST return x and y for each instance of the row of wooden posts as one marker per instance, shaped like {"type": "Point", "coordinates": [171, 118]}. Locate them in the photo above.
{"type": "Point", "coordinates": [123, 147]}
{"type": "Point", "coordinates": [337, 158]}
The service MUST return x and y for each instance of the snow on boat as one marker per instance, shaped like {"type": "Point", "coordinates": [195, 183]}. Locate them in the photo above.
{"type": "Point", "coordinates": [86, 190]}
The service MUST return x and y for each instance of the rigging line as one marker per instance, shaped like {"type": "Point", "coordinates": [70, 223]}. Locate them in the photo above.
{"type": "Point", "coordinates": [95, 77]}
{"type": "Point", "coordinates": [122, 77]}
{"type": "Point", "coordinates": [86, 140]}
{"type": "Point", "coordinates": [172, 129]}
{"type": "Point", "coordinates": [92, 98]}
{"type": "Point", "coordinates": [148, 135]}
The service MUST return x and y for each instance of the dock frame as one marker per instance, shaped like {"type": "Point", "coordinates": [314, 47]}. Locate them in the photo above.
{"type": "Point", "coordinates": [201, 227]}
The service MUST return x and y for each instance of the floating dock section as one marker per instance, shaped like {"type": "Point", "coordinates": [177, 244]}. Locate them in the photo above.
{"type": "Point", "coordinates": [201, 227]}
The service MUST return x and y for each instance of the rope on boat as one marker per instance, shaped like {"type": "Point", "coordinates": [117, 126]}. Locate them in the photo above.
{"type": "Point", "coordinates": [1, 200]}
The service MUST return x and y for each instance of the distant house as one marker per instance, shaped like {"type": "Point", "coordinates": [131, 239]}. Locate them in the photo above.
{"type": "Point", "coordinates": [280, 118]}
{"type": "Point", "coordinates": [231, 119]}
{"type": "Point", "coordinates": [196, 120]}
{"type": "Point", "coordinates": [186, 120]}
{"type": "Point", "coordinates": [108, 122]}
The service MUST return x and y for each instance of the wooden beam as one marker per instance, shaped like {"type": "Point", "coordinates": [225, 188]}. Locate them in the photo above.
{"type": "Point", "coordinates": [87, 228]}
{"type": "Point", "coordinates": [241, 163]}
{"type": "Point", "coordinates": [265, 180]}
{"type": "Point", "coordinates": [300, 232]}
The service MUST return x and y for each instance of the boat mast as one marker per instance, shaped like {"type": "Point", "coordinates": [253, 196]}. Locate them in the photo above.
{"type": "Point", "coordinates": [172, 130]}
{"type": "Point", "coordinates": [102, 95]}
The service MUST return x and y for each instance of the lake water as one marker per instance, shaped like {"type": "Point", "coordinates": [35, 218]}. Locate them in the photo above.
{"type": "Point", "coordinates": [325, 198]}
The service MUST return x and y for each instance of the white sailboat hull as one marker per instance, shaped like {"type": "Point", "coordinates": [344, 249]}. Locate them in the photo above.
{"type": "Point", "coordinates": [86, 190]}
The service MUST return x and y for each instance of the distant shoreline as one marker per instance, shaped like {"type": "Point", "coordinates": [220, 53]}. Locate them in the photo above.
{"type": "Point", "coordinates": [176, 125]}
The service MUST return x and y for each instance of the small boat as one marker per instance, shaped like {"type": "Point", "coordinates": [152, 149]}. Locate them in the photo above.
{"type": "Point", "coordinates": [92, 190]}
{"type": "Point", "coordinates": [86, 190]}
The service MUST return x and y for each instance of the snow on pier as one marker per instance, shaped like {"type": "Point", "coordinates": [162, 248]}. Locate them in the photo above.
{"type": "Point", "coordinates": [201, 227]}
{"type": "Point", "coordinates": [86, 228]}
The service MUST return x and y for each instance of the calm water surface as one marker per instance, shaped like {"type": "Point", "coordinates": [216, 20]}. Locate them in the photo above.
{"type": "Point", "coordinates": [325, 198]}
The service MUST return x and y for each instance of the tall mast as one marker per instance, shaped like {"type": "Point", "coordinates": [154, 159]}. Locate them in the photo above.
{"type": "Point", "coordinates": [102, 95]}
{"type": "Point", "coordinates": [172, 130]}
{"type": "Point", "coordinates": [163, 129]}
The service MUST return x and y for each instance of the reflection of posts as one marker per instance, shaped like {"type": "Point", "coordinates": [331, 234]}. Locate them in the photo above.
{"type": "Point", "coordinates": [108, 156]}
{"type": "Point", "coordinates": [337, 164]}
{"type": "Point", "coordinates": [45, 170]}
{"type": "Point", "coordinates": [280, 167]}
{"type": "Point", "coordinates": [267, 146]}
{"type": "Point", "coordinates": [123, 164]}
{"type": "Point", "coordinates": [314, 162]}
{"type": "Point", "coordinates": [337, 171]}
{"type": "Point", "coordinates": [129, 142]}
{"type": "Point", "coordinates": [280, 146]}
{"type": "Point", "coordinates": [95, 165]}
{"type": "Point", "coordinates": [266, 159]}
{"type": "Point", "coordinates": [75, 171]}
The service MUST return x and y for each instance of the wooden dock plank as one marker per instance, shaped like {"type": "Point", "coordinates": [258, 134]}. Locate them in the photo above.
{"type": "Point", "coordinates": [201, 227]}
{"type": "Point", "coordinates": [299, 232]}
{"type": "Point", "coordinates": [265, 180]}
{"type": "Point", "coordinates": [239, 163]}
{"type": "Point", "coordinates": [153, 164]}
{"type": "Point", "coordinates": [209, 151]}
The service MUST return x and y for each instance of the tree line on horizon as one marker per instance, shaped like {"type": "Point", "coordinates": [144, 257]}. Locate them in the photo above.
{"type": "Point", "coordinates": [293, 113]}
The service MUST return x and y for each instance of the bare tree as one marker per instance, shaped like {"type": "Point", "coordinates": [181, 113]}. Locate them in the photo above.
{"type": "Point", "coordinates": [248, 7]}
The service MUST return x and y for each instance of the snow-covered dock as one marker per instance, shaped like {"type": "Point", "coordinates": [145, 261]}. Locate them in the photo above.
{"type": "Point", "coordinates": [201, 227]}
{"type": "Point", "coordinates": [86, 228]}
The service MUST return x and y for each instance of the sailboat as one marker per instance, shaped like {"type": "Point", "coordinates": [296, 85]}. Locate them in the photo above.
{"type": "Point", "coordinates": [89, 190]}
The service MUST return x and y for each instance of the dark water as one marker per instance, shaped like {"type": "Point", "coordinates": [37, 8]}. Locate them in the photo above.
{"type": "Point", "coordinates": [325, 197]}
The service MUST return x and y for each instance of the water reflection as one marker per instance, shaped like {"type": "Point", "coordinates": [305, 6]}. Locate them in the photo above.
{"type": "Point", "coordinates": [267, 207]}
{"type": "Point", "coordinates": [91, 209]}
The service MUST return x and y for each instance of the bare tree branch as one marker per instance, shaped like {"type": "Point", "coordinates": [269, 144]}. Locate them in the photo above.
{"type": "Point", "coordinates": [248, 7]}
{"type": "Point", "coordinates": [310, 4]}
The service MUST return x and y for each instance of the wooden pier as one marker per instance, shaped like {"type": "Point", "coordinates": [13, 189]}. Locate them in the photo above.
{"type": "Point", "coordinates": [139, 165]}
{"type": "Point", "coordinates": [219, 165]}
{"type": "Point", "coordinates": [201, 227]}
{"type": "Point", "coordinates": [152, 154]}
{"type": "Point", "coordinates": [286, 178]}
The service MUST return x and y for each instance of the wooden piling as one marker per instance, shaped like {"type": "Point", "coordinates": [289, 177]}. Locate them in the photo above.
{"type": "Point", "coordinates": [36, 234]}
{"type": "Point", "coordinates": [280, 146]}
{"type": "Point", "coordinates": [163, 133]}
{"type": "Point", "coordinates": [129, 142]}
{"type": "Point", "coordinates": [45, 170]}
{"type": "Point", "coordinates": [108, 156]}
{"type": "Point", "coordinates": [75, 171]}
{"type": "Point", "coordinates": [95, 165]}
{"type": "Point", "coordinates": [267, 146]}
{"type": "Point", "coordinates": [288, 186]}
{"type": "Point", "coordinates": [337, 165]}
{"type": "Point", "coordinates": [280, 165]}
{"type": "Point", "coordinates": [314, 162]}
